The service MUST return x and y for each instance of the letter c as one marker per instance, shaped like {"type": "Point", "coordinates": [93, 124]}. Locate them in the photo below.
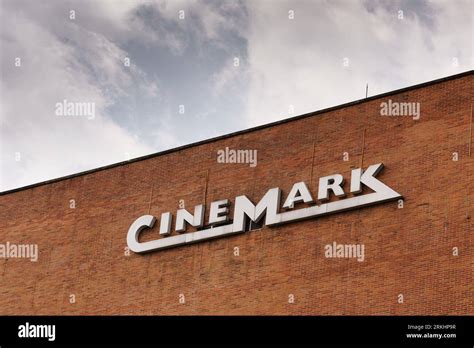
{"type": "Point", "coordinates": [144, 221]}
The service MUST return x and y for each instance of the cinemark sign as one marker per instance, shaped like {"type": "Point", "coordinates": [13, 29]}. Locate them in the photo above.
{"type": "Point", "coordinates": [268, 207]}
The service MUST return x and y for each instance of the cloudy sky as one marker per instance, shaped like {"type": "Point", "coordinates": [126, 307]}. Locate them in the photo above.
{"type": "Point", "coordinates": [160, 74]}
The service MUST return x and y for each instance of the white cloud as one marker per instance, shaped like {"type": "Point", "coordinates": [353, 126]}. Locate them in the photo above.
{"type": "Point", "coordinates": [86, 68]}
{"type": "Point", "coordinates": [227, 77]}
{"type": "Point", "coordinates": [299, 62]}
{"type": "Point", "coordinates": [283, 63]}
{"type": "Point", "coordinates": [82, 60]}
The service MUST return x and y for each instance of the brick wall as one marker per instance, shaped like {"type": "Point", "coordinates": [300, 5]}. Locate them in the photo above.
{"type": "Point", "coordinates": [408, 251]}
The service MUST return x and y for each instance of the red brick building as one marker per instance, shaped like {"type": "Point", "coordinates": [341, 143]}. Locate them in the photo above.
{"type": "Point", "coordinates": [418, 252]}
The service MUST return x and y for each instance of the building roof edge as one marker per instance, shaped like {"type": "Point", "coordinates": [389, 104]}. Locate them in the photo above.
{"type": "Point", "coordinates": [248, 130]}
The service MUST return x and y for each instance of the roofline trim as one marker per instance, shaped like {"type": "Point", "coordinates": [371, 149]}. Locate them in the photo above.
{"type": "Point", "coordinates": [248, 130]}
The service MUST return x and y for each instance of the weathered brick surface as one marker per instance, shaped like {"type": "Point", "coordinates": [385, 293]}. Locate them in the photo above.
{"type": "Point", "coordinates": [407, 251]}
